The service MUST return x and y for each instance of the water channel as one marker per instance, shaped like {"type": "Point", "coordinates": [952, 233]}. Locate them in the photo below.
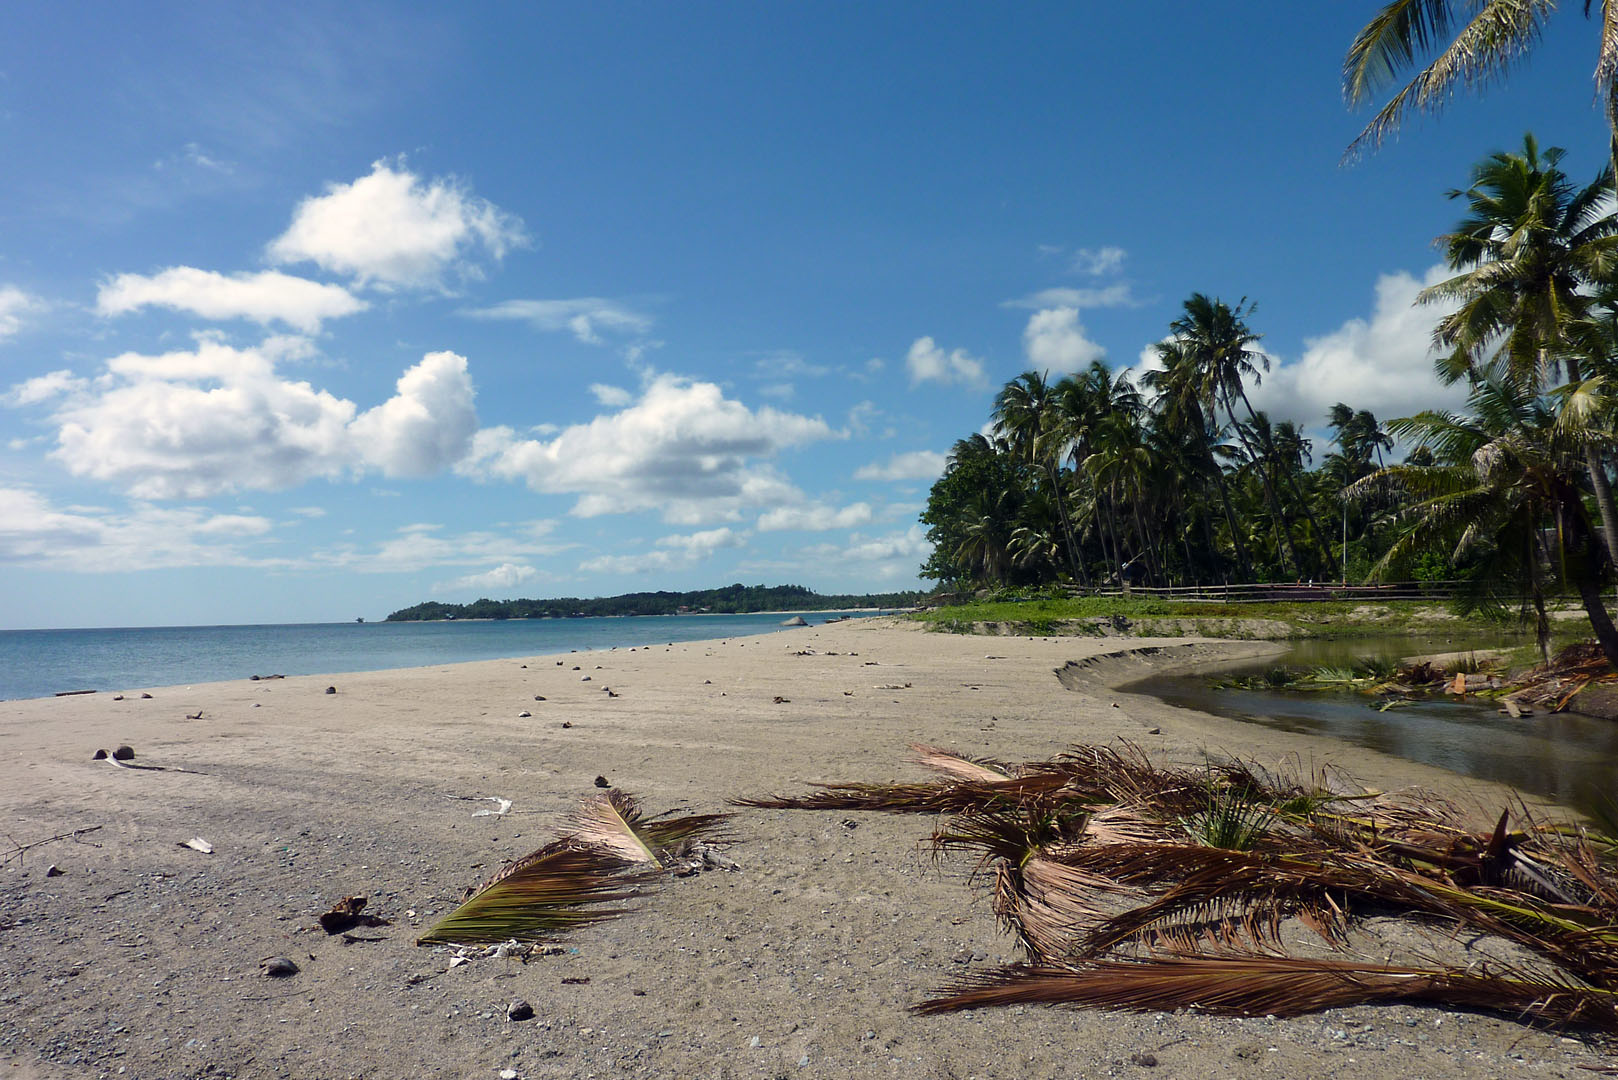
{"type": "Point", "coordinates": [1567, 758]}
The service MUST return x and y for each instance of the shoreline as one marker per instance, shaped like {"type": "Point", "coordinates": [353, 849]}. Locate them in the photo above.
{"type": "Point", "coordinates": [144, 954]}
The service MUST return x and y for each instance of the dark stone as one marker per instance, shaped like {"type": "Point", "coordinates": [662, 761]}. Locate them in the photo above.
{"type": "Point", "coordinates": [278, 967]}
{"type": "Point", "coordinates": [331, 689]}
{"type": "Point", "coordinates": [602, 781]}
{"type": "Point", "coordinates": [519, 1010]}
{"type": "Point", "coordinates": [124, 753]}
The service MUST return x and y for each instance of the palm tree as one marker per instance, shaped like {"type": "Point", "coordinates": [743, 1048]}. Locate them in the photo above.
{"type": "Point", "coordinates": [1531, 251]}
{"type": "Point", "coordinates": [1502, 473]}
{"type": "Point", "coordinates": [1218, 342]}
{"type": "Point", "coordinates": [1027, 414]}
{"type": "Point", "coordinates": [1487, 37]}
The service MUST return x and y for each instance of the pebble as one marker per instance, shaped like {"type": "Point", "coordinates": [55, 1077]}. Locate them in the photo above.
{"type": "Point", "coordinates": [124, 753]}
{"type": "Point", "coordinates": [331, 689]}
{"type": "Point", "coordinates": [54, 871]}
{"type": "Point", "coordinates": [508, 1074]}
{"type": "Point", "coordinates": [539, 697]}
{"type": "Point", "coordinates": [524, 713]}
{"type": "Point", "coordinates": [519, 1010]}
{"type": "Point", "coordinates": [1138, 1058]}
{"type": "Point", "coordinates": [278, 967]}
{"type": "Point", "coordinates": [755, 1042]}
{"type": "Point", "coordinates": [603, 782]}
{"type": "Point", "coordinates": [1154, 731]}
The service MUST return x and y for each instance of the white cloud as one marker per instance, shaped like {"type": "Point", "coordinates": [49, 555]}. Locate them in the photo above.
{"type": "Point", "coordinates": [926, 362]}
{"type": "Point", "coordinates": [643, 563]}
{"type": "Point", "coordinates": [1118, 295]}
{"type": "Point", "coordinates": [1055, 341]}
{"type": "Point", "coordinates": [85, 539]}
{"type": "Point", "coordinates": [1097, 262]}
{"type": "Point", "coordinates": [392, 229]}
{"type": "Point", "coordinates": [816, 517]}
{"type": "Point", "coordinates": [1383, 364]}
{"type": "Point", "coordinates": [682, 448]}
{"type": "Point", "coordinates": [504, 576]}
{"type": "Point", "coordinates": [915, 465]}
{"type": "Point", "coordinates": [14, 304]}
{"type": "Point", "coordinates": [613, 397]}
{"type": "Point", "coordinates": [892, 557]}
{"type": "Point", "coordinates": [586, 317]}
{"type": "Point", "coordinates": [418, 547]}
{"type": "Point", "coordinates": [427, 425]}
{"type": "Point", "coordinates": [264, 297]}
{"type": "Point", "coordinates": [44, 387]}
{"type": "Point", "coordinates": [700, 545]}
{"type": "Point", "coordinates": [190, 424]}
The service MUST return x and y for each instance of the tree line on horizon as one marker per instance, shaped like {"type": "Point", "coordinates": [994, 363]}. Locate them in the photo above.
{"type": "Point", "coordinates": [730, 600]}
{"type": "Point", "coordinates": [1090, 479]}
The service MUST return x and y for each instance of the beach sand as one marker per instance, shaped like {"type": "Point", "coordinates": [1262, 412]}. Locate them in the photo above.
{"type": "Point", "coordinates": [142, 958]}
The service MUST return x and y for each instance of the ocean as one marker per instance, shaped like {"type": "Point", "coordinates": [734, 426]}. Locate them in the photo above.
{"type": "Point", "coordinates": [39, 663]}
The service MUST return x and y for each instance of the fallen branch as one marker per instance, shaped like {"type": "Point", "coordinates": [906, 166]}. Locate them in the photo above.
{"type": "Point", "coordinates": [22, 849]}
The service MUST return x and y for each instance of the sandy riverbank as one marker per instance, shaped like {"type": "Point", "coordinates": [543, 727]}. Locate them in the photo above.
{"type": "Point", "coordinates": [143, 956]}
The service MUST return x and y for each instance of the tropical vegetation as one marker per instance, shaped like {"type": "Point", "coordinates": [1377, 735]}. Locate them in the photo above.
{"type": "Point", "coordinates": [1093, 479]}
{"type": "Point", "coordinates": [730, 599]}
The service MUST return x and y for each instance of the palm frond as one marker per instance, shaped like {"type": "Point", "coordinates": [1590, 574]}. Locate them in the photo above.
{"type": "Point", "coordinates": [1276, 986]}
{"type": "Point", "coordinates": [959, 766]}
{"type": "Point", "coordinates": [559, 887]}
{"type": "Point", "coordinates": [613, 822]}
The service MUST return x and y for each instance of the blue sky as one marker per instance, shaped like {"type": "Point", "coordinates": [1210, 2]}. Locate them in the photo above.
{"type": "Point", "coordinates": [311, 312]}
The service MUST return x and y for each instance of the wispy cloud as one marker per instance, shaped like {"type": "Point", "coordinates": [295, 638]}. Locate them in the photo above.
{"type": "Point", "coordinates": [587, 318]}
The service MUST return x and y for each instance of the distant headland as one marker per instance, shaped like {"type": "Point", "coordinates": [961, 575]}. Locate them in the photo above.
{"type": "Point", "coordinates": [732, 599]}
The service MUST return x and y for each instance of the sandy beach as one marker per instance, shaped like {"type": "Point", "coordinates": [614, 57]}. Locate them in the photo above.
{"type": "Point", "coordinates": [142, 958]}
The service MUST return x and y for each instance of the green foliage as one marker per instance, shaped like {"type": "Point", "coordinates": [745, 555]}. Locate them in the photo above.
{"type": "Point", "coordinates": [732, 599]}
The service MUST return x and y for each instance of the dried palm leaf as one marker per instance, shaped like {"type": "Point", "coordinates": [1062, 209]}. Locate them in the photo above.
{"type": "Point", "coordinates": [959, 766]}
{"type": "Point", "coordinates": [614, 824]}
{"type": "Point", "coordinates": [918, 798]}
{"type": "Point", "coordinates": [1278, 986]}
{"type": "Point", "coordinates": [556, 888]}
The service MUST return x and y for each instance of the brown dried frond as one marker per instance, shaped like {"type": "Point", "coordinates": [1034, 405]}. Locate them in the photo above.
{"type": "Point", "coordinates": [960, 766]}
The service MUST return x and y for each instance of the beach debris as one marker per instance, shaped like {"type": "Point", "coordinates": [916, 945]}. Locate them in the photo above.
{"type": "Point", "coordinates": [54, 871]}
{"type": "Point", "coordinates": [519, 1010]}
{"type": "Point", "coordinates": [146, 697]}
{"type": "Point", "coordinates": [263, 678]}
{"type": "Point", "coordinates": [611, 693]}
{"type": "Point", "coordinates": [455, 961]}
{"type": "Point", "coordinates": [585, 678]}
{"type": "Point", "coordinates": [607, 853]}
{"type": "Point", "coordinates": [779, 700]}
{"type": "Point", "coordinates": [508, 1074]}
{"type": "Point", "coordinates": [194, 716]}
{"type": "Point", "coordinates": [1143, 1059]}
{"type": "Point", "coordinates": [1154, 731]}
{"type": "Point", "coordinates": [525, 714]}
{"type": "Point", "coordinates": [348, 913]}
{"type": "Point", "coordinates": [123, 752]}
{"type": "Point", "coordinates": [502, 805]}
{"type": "Point", "coordinates": [73, 693]}
{"type": "Point", "coordinates": [539, 697]}
{"type": "Point", "coordinates": [331, 689]}
{"type": "Point", "coordinates": [117, 697]}
{"type": "Point", "coordinates": [19, 850]}
{"type": "Point", "coordinates": [707, 682]}
{"type": "Point", "coordinates": [567, 723]}
{"type": "Point", "coordinates": [559, 663]}
{"type": "Point", "coordinates": [1135, 886]}
{"type": "Point", "coordinates": [603, 782]}
{"type": "Point", "coordinates": [197, 843]}
{"type": "Point", "coordinates": [277, 967]}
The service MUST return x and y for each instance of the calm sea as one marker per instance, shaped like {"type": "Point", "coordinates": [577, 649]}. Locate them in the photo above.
{"type": "Point", "coordinates": [39, 663]}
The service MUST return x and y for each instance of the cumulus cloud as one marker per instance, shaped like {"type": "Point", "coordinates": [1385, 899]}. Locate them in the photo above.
{"type": "Point", "coordinates": [44, 387]}
{"type": "Point", "coordinates": [678, 552]}
{"type": "Point", "coordinates": [613, 397]}
{"type": "Point", "coordinates": [890, 557]}
{"type": "Point", "coordinates": [700, 545]}
{"type": "Point", "coordinates": [392, 229]}
{"type": "Point", "coordinates": [264, 297]}
{"type": "Point", "coordinates": [1054, 340]}
{"type": "Point", "coordinates": [1383, 363]}
{"type": "Point", "coordinates": [14, 304]}
{"type": "Point", "coordinates": [816, 517]}
{"type": "Point", "coordinates": [427, 425]}
{"type": "Point", "coordinates": [926, 362]}
{"type": "Point", "coordinates": [193, 423]}
{"type": "Point", "coordinates": [915, 465]}
{"type": "Point", "coordinates": [682, 449]}
{"type": "Point", "coordinates": [34, 532]}
{"type": "Point", "coordinates": [504, 576]}
{"type": "Point", "coordinates": [586, 317]}
{"type": "Point", "coordinates": [426, 544]}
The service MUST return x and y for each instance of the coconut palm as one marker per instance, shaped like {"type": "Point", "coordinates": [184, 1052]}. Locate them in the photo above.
{"type": "Point", "coordinates": [1486, 38]}
{"type": "Point", "coordinates": [1530, 252]}
{"type": "Point", "coordinates": [1026, 413]}
{"type": "Point", "coordinates": [1505, 471]}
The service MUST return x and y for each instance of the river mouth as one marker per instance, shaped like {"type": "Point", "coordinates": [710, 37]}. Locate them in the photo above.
{"type": "Point", "coordinates": [1566, 758]}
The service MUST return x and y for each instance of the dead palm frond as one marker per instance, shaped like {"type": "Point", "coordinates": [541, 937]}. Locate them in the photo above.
{"type": "Point", "coordinates": [1277, 986]}
{"type": "Point", "coordinates": [614, 824]}
{"type": "Point", "coordinates": [559, 887]}
{"type": "Point", "coordinates": [959, 766]}
{"type": "Point", "coordinates": [932, 798]}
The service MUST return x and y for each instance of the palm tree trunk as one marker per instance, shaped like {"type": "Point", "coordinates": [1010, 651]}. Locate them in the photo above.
{"type": "Point", "coordinates": [1596, 467]}
{"type": "Point", "coordinates": [1322, 549]}
{"type": "Point", "coordinates": [1067, 529]}
{"type": "Point", "coordinates": [1269, 492]}
{"type": "Point", "coordinates": [1585, 568]}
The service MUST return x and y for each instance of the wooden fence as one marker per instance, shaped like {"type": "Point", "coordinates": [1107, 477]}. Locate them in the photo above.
{"type": "Point", "coordinates": [1298, 592]}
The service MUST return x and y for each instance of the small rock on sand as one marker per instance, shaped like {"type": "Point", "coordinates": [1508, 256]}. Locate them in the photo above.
{"type": "Point", "coordinates": [519, 1010]}
{"type": "Point", "coordinates": [278, 967]}
{"type": "Point", "coordinates": [602, 781]}
{"type": "Point", "coordinates": [331, 689]}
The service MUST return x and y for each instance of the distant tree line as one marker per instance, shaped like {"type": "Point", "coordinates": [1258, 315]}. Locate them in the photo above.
{"type": "Point", "coordinates": [730, 600]}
